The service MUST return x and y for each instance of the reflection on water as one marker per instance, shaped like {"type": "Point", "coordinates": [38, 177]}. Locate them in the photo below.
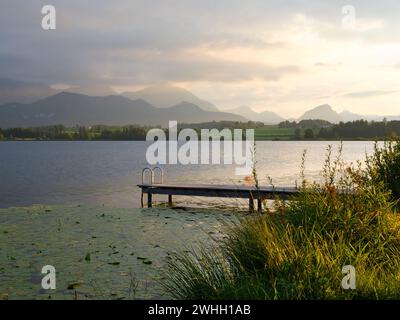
{"type": "Point", "coordinates": [106, 173]}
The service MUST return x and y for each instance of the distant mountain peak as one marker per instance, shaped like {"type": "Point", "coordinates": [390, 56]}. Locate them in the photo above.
{"type": "Point", "coordinates": [322, 112]}
{"type": "Point", "coordinates": [166, 95]}
{"type": "Point", "coordinates": [245, 108]}
{"type": "Point", "coordinates": [267, 117]}
{"type": "Point", "coordinates": [66, 94]}
{"type": "Point", "coordinates": [324, 107]}
{"type": "Point", "coordinates": [163, 87]}
{"type": "Point", "coordinates": [186, 106]}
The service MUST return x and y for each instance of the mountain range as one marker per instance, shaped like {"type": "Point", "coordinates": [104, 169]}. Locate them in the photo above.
{"type": "Point", "coordinates": [268, 117]}
{"type": "Point", "coordinates": [26, 104]}
{"type": "Point", "coordinates": [71, 109]}
{"type": "Point", "coordinates": [166, 95]}
{"type": "Point", "coordinates": [326, 112]}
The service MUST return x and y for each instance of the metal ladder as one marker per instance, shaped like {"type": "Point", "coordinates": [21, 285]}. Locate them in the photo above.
{"type": "Point", "coordinates": [152, 175]}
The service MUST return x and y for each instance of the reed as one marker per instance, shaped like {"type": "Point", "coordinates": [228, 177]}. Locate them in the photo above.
{"type": "Point", "coordinates": [298, 251]}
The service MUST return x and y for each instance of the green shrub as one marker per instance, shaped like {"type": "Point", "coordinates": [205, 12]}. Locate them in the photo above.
{"type": "Point", "coordinates": [384, 165]}
{"type": "Point", "coordinates": [309, 134]}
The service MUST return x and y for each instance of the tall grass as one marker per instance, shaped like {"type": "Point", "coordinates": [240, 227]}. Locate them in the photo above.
{"type": "Point", "coordinates": [298, 251]}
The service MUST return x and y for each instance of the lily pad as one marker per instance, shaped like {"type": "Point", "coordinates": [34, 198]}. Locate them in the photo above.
{"type": "Point", "coordinates": [73, 285]}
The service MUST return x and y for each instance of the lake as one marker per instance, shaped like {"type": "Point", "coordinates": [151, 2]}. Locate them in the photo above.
{"type": "Point", "coordinates": [106, 173]}
{"type": "Point", "coordinates": [87, 224]}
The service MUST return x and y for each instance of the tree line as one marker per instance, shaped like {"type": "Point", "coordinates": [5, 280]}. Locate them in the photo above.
{"type": "Point", "coordinates": [359, 129]}
{"type": "Point", "coordinates": [305, 129]}
{"type": "Point", "coordinates": [104, 132]}
{"type": "Point", "coordinates": [60, 132]}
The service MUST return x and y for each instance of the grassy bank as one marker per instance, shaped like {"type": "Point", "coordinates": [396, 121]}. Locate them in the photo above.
{"type": "Point", "coordinates": [298, 250]}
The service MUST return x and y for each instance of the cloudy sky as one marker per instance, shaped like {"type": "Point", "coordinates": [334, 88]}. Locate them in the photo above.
{"type": "Point", "coordinates": [279, 55]}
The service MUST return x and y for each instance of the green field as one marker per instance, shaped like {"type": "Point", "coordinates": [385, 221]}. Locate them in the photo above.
{"type": "Point", "coordinates": [273, 132]}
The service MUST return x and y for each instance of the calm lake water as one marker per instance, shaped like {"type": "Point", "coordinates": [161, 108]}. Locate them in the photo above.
{"type": "Point", "coordinates": [88, 224]}
{"type": "Point", "coordinates": [106, 173]}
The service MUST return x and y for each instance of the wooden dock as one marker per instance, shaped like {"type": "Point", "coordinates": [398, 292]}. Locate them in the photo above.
{"type": "Point", "coordinates": [219, 191]}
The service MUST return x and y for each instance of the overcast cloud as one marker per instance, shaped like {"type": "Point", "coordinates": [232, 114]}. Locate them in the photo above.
{"type": "Point", "coordinates": [284, 56]}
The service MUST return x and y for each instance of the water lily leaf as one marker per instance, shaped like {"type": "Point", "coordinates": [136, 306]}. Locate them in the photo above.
{"type": "Point", "coordinates": [73, 285]}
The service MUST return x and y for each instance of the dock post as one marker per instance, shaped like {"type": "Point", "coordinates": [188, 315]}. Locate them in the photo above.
{"type": "Point", "coordinates": [149, 200]}
{"type": "Point", "coordinates": [259, 204]}
{"type": "Point", "coordinates": [251, 203]}
{"type": "Point", "coordinates": [170, 200]}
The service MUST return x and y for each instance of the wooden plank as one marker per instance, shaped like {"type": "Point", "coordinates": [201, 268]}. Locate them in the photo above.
{"type": "Point", "coordinates": [226, 191]}
{"type": "Point", "coordinates": [223, 191]}
{"type": "Point", "coordinates": [221, 187]}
